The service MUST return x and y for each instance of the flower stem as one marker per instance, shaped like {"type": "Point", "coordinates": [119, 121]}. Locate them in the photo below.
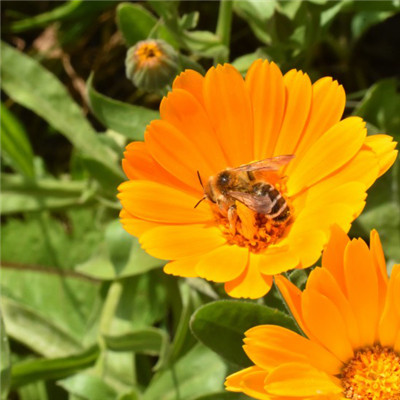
{"type": "Point", "coordinates": [223, 30]}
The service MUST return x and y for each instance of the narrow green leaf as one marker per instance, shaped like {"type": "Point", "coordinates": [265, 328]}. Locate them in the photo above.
{"type": "Point", "coordinates": [204, 43]}
{"type": "Point", "coordinates": [5, 361]}
{"type": "Point", "coordinates": [31, 85]}
{"type": "Point", "coordinates": [69, 10]}
{"type": "Point", "coordinates": [26, 372]}
{"type": "Point", "coordinates": [150, 341]}
{"type": "Point", "coordinates": [221, 326]}
{"type": "Point", "coordinates": [15, 143]}
{"type": "Point", "coordinates": [88, 387]}
{"type": "Point", "coordinates": [124, 118]}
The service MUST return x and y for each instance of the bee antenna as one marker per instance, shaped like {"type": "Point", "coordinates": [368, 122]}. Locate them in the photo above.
{"type": "Point", "coordinates": [203, 198]}
{"type": "Point", "coordinates": [201, 182]}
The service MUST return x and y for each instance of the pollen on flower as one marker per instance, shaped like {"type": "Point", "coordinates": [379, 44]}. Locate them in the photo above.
{"type": "Point", "coordinates": [373, 374]}
{"type": "Point", "coordinates": [250, 229]}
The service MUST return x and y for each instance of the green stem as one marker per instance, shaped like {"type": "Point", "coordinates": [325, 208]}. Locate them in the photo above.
{"type": "Point", "coordinates": [107, 315]}
{"type": "Point", "coordinates": [223, 30]}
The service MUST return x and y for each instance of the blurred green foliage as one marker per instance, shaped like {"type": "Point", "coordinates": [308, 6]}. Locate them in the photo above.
{"type": "Point", "coordinates": [88, 314]}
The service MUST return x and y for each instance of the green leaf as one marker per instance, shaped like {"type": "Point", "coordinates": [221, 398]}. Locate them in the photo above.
{"type": "Point", "coordinates": [256, 13]}
{"type": "Point", "coordinates": [119, 256]}
{"type": "Point", "coordinates": [32, 86]}
{"type": "Point", "coordinates": [5, 361]}
{"type": "Point", "coordinates": [134, 22]}
{"type": "Point", "coordinates": [15, 143]}
{"type": "Point", "coordinates": [48, 312]}
{"type": "Point", "coordinates": [34, 391]}
{"type": "Point", "coordinates": [152, 341]}
{"type": "Point", "coordinates": [69, 10]}
{"type": "Point", "coordinates": [45, 369]}
{"type": "Point", "coordinates": [88, 387]}
{"type": "Point", "coordinates": [221, 326]}
{"type": "Point", "coordinates": [121, 117]}
{"type": "Point", "coordinates": [197, 373]}
{"type": "Point", "coordinates": [380, 106]}
{"type": "Point", "coordinates": [204, 43]}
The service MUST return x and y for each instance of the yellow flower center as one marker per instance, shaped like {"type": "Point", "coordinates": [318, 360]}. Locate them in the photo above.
{"type": "Point", "coordinates": [148, 53]}
{"type": "Point", "coordinates": [373, 374]}
{"type": "Point", "coordinates": [254, 230]}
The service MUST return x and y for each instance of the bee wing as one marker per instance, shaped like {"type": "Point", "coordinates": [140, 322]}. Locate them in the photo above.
{"type": "Point", "coordinates": [268, 164]}
{"type": "Point", "coordinates": [259, 204]}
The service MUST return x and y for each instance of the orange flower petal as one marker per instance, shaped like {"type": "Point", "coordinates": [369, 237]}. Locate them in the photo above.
{"type": "Point", "coordinates": [233, 382]}
{"type": "Point", "coordinates": [277, 260]}
{"type": "Point", "coordinates": [192, 82]}
{"type": "Point", "coordinates": [389, 324]}
{"type": "Point", "coordinates": [362, 289]}
{"type": "Point", "coordinates": [323, 319]}
{"type": "Point", "coordinates": [298, 379]}
{"type": "Point", "coordinates": [251, 283]}
{"type": "Point", "coordinates": [185, 267]}
{"type": "Point", "coordinates": [223, 264]}
{"type": "Point", "coordinates": [330, 152]}
{"type": "Point", "coordinates": [328, 101]}
{"type": "Point", "coordinates": [264, 83]}
{"type": "Point", "coordinates": [228, 106]}
{"type": "Point", "coordinates": [138, 164]}
{"type": "Point", "coordinates": [253, 385]}
{"type": "Point", "coordinates": [383, 146]}
{"type": "Point", "coordinates": [292, 296]}
{"type": "Point", "coordinates": [135, 226]}
{"type": "Point", "coordinates": [156, 202]}
{"type": "Point", "coordinates": [174, 152]}
{"type": "Point", "coordinates": [298, 103]}
{"type": "Point", "coordinates": [378, 258]}
{"type": "Point", "coordinates": [332, 258]}
{"type": "Point", "coordinates": [186, 114]}
{"type": "Point", "coordinates": [172, 242]}
{"type": "Point", "coordinates": [268, 346]}
{"type": "Point", "coordinates": [324, 283]}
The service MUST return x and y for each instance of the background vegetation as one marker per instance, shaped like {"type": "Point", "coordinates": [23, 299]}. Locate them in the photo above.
{"type": "Point", "coordinates": [88, 314]}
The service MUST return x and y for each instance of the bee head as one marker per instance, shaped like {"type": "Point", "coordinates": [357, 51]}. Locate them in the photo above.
{"type": "Point", "coordinates": [224, 179]}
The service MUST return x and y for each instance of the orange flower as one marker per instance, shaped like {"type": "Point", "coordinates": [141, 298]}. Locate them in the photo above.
{"type": "Point", "coordinates": [223, 121]}
{"type": "Point", "coordinates": [350, 313]}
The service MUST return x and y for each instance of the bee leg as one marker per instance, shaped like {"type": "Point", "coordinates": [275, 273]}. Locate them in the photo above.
{"type": "Point", "coordinates": [232, 218]}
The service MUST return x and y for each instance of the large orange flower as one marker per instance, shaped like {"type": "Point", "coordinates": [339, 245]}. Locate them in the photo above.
{"type": "Point", "coordinates": [350, 314]}
{"type": "Point", "coordinates": [223, 121]}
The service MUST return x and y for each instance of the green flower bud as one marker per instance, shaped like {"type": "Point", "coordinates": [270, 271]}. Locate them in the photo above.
{"type": "Point", "coordinates": [151, 64]}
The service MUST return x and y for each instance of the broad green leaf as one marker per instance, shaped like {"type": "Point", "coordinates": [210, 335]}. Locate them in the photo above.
{"type": "Point", "coordinates": [15, 143]}
{"type": "Point", "coordinates": [197, 373]}
{"type": "Point", "coordinates": [89, 387]}
{"type": "Point", "coordinates": [130, 120]}
{"type": "Point", "coordinates": [152, 341]}
{"type": "Point", "coordinates": [37, 89]}
{"type": "Point", "coordinates": [380, 106]}
{"type": "Point", "coordinates": [47, 242]}
{"type": "Point", "coordinates": [119, 256]}
{"type": "Point", "coordinates": [29, 371]}
{"type": "Point", "coordinates": [134, 22]}
{"type": "Point", "coordinates": [142, 303]}
{"type": "Point", "coordinates": [56, 308]}
{"type": "Point", "coordinates": [221, 326]}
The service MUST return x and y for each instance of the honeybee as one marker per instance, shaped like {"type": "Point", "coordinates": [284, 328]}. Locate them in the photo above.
{"type": "Point", "coordinates": [243, 184]}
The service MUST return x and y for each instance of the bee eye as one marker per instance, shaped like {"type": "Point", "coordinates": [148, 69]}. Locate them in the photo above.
{"type": "Point", "coordinates": [224, 178]}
